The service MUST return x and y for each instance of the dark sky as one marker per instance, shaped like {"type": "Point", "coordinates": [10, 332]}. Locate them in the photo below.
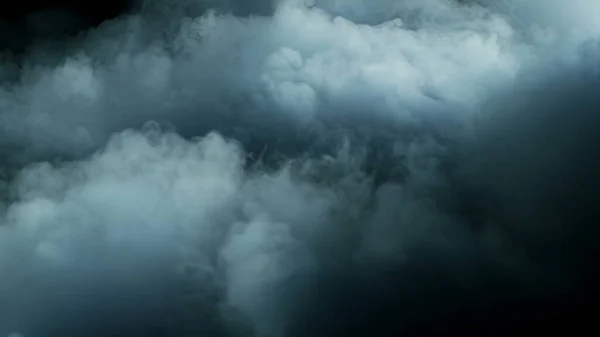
{"type": "Point", "coordinates": [25, 21]}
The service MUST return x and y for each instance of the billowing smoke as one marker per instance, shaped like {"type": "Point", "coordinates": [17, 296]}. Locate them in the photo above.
{"type": "Point", "coordinates": [300, 168]}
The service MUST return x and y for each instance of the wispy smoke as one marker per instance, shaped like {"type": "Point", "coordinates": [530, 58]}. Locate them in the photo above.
{"type": "Point", "coordinates": [297, 168]}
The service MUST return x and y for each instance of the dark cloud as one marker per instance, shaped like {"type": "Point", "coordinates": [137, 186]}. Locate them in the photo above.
{"type": "Point", "coordinates": [298, 168]}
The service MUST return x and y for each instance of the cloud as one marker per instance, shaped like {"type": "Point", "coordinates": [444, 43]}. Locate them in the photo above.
{"type": "Point", "coordinates": [291, 66]}
{"type": "Point", "coordinates": [289, 168]}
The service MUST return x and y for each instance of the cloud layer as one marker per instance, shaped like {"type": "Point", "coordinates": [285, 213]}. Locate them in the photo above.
{"type": "Point", "coordinates": [297, 168]}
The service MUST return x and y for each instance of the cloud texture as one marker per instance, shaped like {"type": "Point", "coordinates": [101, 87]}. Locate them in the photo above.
{"type": "Point", "coordinates": [293, 168]}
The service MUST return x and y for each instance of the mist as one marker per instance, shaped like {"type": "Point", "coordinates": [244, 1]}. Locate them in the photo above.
{"type": "Point", "coordinates": [301, 168]}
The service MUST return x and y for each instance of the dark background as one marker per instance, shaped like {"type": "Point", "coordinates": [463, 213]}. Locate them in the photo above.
{"type": "Point", "coordinates": [23, 22]}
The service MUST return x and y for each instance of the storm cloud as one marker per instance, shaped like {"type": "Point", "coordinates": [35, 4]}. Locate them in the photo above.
{"type": "Point", "coordinates": [299, 168]}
